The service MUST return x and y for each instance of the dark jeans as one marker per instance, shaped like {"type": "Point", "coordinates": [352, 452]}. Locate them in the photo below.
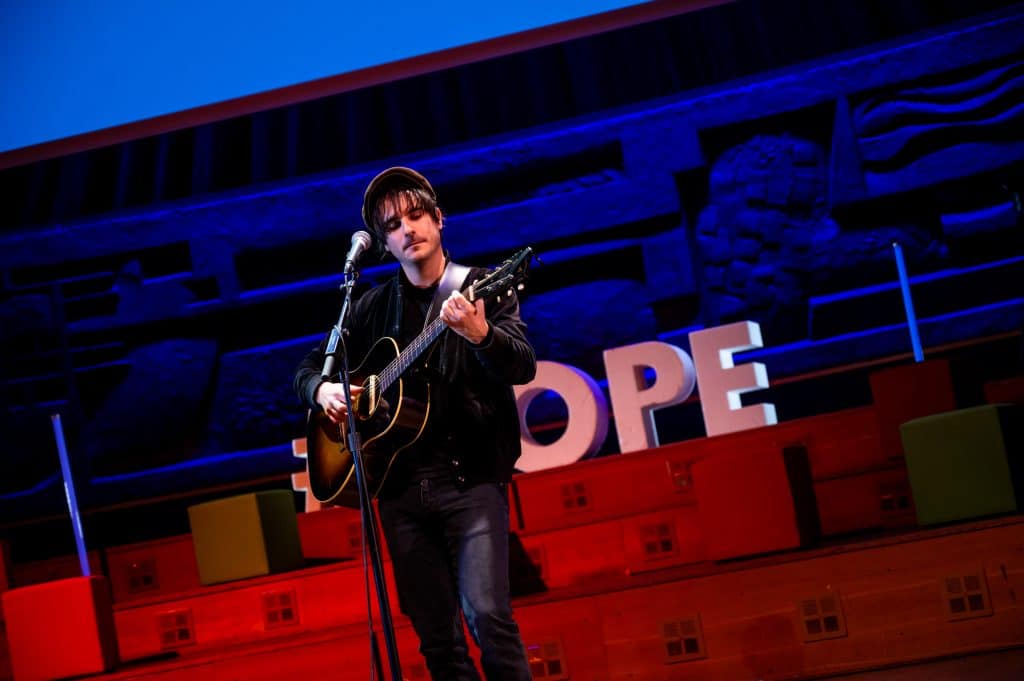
{"type": "Point", "coordinates": [449, 548]}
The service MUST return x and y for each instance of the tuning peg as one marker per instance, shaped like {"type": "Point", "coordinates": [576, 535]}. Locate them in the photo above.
{"type": "Point", "coordinates": [498, 299]}
{"type": "Point", "coordinates": [520, 287]}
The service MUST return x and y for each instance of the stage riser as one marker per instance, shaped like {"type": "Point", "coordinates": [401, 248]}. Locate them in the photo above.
{"type": "Point", "coordinates": [567, 555]}
{"type": "Point", "coordinates": [891, 599]}
{"type": "Point", "coordinates": [170, 562]}
{"type": "Point", "coordinates": [60, 629]}
{"type": "Point", "coordinates": [752, 502]}
{"type": "Point", "coordinates": [164, 566]}
{"type": "Point", "coordinates": [623, 493]}
{"type": "Point", "coordinates": [235, 612]}
{"type": "Point", "coordinates": [891, 594]}
{"type": "Point", "coordinates": [838, 444]}
{"type": "Point", "coordinates": [594, 552]}
{"type": "Point", "coordinates": [876, 499]}
{"type": "Point", "coordinates": [598, 555]}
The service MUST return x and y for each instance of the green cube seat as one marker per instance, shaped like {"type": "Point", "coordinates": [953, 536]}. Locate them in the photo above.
{"type": "Point", "coordinates": [965, 463]}
{"type": "Point", "coordinates": [245, 536]}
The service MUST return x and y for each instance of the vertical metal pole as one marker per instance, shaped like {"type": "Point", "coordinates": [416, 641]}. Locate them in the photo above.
{"type": "Point", "coordinates": [69, 492]}
{"type": "Point", "coordinates": [908, 303]}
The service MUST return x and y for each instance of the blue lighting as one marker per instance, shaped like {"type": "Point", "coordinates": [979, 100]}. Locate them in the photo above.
{"type": "Point", "coordinates": [75, 67]}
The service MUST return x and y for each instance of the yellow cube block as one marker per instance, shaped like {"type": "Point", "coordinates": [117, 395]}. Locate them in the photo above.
{"type": "Point", "coordinates": [245, 536]}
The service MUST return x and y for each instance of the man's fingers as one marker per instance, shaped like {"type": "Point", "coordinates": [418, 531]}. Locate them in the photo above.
{"type": "Point", "coordinates": [456, 308]}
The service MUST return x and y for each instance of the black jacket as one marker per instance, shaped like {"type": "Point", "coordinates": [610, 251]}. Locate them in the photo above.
{"type": "Point", "coordinates": [475, 386]}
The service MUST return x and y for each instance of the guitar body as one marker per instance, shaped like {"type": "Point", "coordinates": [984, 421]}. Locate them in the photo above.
{"type": "Point", "coordinates": [390, 413]}
{"type": "Point", "coordinates": [387, 422]}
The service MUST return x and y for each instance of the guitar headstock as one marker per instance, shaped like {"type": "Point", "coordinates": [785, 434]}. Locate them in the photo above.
{"type": "Point", "coordinates": [507, 277]}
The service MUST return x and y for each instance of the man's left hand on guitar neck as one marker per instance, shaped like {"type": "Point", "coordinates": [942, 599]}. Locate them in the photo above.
{"type": "Point", "coordinates": [465, 318]}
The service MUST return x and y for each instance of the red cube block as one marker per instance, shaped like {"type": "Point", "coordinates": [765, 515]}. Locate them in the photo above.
{"type": "Point", "coordinates": [61, 628]}
{"type": "Point", "coordinates": [756, 500]}
{"type": "Point", "coordinates": [906, 392]}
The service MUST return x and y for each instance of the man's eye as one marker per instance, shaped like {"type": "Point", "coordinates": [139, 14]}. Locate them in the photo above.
{"type": "Point", "coordinates": [415, 214]}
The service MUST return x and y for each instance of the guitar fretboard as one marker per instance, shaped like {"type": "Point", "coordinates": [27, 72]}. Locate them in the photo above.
{"type": "Point", "coordinates": [511, 272]}
{"type": "Point", "coordinates": [407, 356]}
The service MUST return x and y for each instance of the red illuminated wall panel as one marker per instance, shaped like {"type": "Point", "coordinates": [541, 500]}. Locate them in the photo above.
{"type": "Point", "coordinates": [663, 539]}
{"type": "Point", "coordinates": [841, 443]}
{"type": "Point", "coordinates": [163, 566]}
{"type": "Point", "coordinates": [580, 554]}
{"type": "Point", "coordinates": [755, 501]}
{"type": "Point", "coordinates": [600, 489]}
{"type": "Point", "coordinates": [330, 533]}
{"type": "Point", "coordinates": [231, 613]}
{"type": "Point", "coordinates": [891, 597]}
{"type": "Point", "coordinates": [909, 391]}
{"type": "Point", "coordinates": [892, 592]}
{"type": "Point", "coordinates": [60, 628]}
{"type": "Point", "coordinates": [872, 500]}
{"type": "Point", "coordinates": [570, 627]}
{"type": "Point", "coordinates": [637, 543]}
{"type": "Point", "coordinates": [838, 444]}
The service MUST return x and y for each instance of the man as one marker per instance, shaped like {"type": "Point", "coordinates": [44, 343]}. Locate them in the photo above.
{"type": "Point", "coordinates": [443, 508]}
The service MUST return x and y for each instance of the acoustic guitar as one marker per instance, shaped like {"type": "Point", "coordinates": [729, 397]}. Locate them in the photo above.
{"type": "Point", "coordinates": [390, 413]}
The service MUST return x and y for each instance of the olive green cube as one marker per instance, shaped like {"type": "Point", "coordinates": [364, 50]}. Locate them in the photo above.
{"type": "Point", "coordinates": [966, 463]}
{"type": "Point", "coordinates": [245, 536]}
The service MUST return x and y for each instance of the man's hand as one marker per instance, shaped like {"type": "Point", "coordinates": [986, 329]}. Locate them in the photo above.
{"type": "Point", "coordinates": [465, 318]}
{"type": "Point", "coordinates": [331, 397]}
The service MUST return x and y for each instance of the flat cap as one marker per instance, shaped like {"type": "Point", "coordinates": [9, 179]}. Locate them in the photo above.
{"type": "Point", "coordinates": [394, 177]}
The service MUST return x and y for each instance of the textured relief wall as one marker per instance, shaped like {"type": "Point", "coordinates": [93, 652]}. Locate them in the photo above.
{"type": "Point", "coordinates": [939, 127]}
{"type": "Point", "coordinates": [761, 232]}
{"type": "Point", "coordinates": [168, 334]}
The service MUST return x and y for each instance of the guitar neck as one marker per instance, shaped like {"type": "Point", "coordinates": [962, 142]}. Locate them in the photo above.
{"type": "Point", "coordinates": [409, 355]}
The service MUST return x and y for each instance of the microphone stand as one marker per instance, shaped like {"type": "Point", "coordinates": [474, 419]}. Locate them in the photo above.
{"type": "Point", "coordinates": [369, 519]}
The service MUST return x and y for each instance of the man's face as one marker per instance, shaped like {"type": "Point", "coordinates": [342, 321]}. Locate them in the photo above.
{"type": "Point", "coordinates": [413, 234]}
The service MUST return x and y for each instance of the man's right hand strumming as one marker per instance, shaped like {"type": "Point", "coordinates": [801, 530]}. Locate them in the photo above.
{"type": "Point", "coordinates": [331, 398]}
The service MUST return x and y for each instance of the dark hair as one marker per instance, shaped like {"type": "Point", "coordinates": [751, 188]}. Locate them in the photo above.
{"type": "Point", "coordinates": [417, 198]}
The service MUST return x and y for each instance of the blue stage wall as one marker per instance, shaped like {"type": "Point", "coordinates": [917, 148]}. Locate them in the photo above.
{"type": "Point", "coordinates": [160, 293]}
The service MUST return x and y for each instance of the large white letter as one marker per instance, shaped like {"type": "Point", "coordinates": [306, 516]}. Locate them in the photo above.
{"type": "Point", "coordinates": [722, 383]}
{"type": "Point", "coordinates": [586, 425]}
{"type": "Point", "coordinates": [633, 403]}
{"type": "Point", "coordinates": [300, 481]}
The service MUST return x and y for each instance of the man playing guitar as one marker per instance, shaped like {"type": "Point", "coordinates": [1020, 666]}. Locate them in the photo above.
{"type": "Point", "coordinates": [443, 504]}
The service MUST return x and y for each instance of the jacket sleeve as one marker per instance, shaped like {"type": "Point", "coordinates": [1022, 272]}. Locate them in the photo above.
{"type": "Point", "coordinates": [505, 353]}
{"type": "Point", "coordinates": [307, 375]}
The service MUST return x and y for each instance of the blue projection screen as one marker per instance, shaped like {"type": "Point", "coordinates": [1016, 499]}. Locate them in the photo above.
{"type": "Point", "coordinates": [78, 74]}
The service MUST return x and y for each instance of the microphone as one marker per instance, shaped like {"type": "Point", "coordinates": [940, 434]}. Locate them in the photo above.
{"type": "Point", "coordinates": [361, 240]}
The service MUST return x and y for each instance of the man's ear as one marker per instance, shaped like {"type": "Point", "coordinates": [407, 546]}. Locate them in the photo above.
{"type": "Point", "coordinates": [440, 218]}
